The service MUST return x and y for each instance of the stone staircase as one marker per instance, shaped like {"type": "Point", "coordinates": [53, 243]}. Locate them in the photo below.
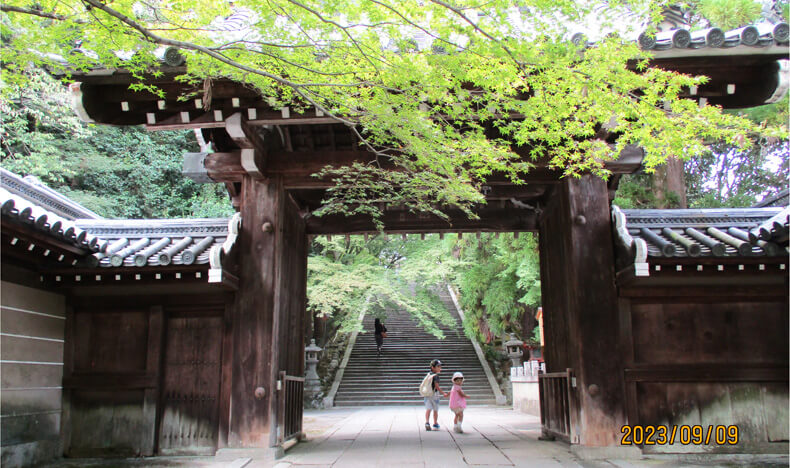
{"type": "Point", "coordinates": [394, 377]}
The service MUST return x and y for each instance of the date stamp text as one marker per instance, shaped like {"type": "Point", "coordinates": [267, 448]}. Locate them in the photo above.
{"type": "Point", "coordinates": [686, 435]}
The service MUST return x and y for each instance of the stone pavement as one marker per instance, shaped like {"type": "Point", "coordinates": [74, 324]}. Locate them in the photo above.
{"type": "Point", "coordinates": [493, 437]}
{"type": "Point", "coordinates": [394, 436]}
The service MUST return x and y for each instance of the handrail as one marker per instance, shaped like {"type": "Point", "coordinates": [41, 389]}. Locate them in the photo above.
{"type": "Point", "coordinates": [500, 398]}
{"type": "Point", "coordinates": [558, 406]}
{"type": "Point", "coordinates": [329, 399]}
{"type": "Point", "coordinates": [290, 402]}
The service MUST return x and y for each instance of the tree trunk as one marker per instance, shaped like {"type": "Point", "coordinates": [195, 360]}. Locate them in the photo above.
{"type": "Point", "coordinates": [669, 185]}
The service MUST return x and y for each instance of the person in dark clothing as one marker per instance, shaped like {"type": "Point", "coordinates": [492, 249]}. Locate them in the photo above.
{"type": "Point", "coordinates": [381, 333]}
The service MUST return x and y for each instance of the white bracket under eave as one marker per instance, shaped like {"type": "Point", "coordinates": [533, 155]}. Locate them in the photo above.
{"type": "Point", "coordinates": [217, 253]}
{"type": "Point", "coordinates": [77, 104]}
{"type": "Point", "coordinates": [249, 164]}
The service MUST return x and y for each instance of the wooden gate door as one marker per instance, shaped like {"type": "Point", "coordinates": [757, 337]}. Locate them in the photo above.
{"type": "Point", "coordinates": [189, 419]}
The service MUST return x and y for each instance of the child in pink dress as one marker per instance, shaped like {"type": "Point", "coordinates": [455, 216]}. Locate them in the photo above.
{"type": "Point", "coordinates": [458, 401]}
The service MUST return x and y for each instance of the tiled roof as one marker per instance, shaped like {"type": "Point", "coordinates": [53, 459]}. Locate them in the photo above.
{"type": "Point", "coordinates": [673, 32]}
{"type": "Point", "coordinates": [156, 242]}
{"type": "Point", "coordinates": [684, 234]}
{"type": "Point", "coordinates": [17, 208]}
{"type": "Point", "coordinates": [780, 199]}
{"type": "Point", "coordinates": [117, 243]}
{"type": "Point", "coordinates": [33, 190]}
{"type": "Point", "coordinates": [756, 35]}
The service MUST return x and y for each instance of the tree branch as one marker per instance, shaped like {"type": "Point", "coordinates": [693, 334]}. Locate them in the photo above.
{"type": "Point", "coordinates": [41, 14]}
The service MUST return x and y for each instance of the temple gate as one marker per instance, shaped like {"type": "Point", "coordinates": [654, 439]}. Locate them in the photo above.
{"type": "Point", "coordinates": [199, 370]}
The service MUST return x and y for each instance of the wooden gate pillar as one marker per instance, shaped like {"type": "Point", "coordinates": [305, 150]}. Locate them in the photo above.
{"type": "Point", "coordinates": [580, 306]}
{"type": "Point", "coordinates": [268, 320]}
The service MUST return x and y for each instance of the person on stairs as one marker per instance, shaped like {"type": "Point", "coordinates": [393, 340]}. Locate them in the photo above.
{"type": "Point", "coordinates": [458, 401]}
{"type": "Point", "coordinates": [432, 402]}
{"type": "Point", "coordinates": [380, 333]}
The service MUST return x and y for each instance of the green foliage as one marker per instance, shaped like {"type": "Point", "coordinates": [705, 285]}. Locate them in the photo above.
{"type": "Point", "coordinates": [729, 14]}
{"type": "Point", "coordinates": [635, 191]}
{"type": "Point", "coordinates": [348, 276]}
{"type": "Point", "coordinates": [415, 107]}
{"type": "Point", "coordinates": [118, 172]}
{"type": "Point", "coordinates": [726, 176]}
{"type": "Point", "coordinates": [499, 282]}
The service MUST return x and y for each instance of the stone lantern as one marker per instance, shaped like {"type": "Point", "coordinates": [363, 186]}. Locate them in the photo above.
{"type": "Point", "coordinates": [312, 384]}
{"type": "Point", "coordinates": [514, 351]}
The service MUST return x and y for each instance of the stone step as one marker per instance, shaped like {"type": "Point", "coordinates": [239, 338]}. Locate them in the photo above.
{"type": "Point", "coordinates": [393, 378]}
{"type": "Point", "coordinates": [414, 402]}
{"type": "Point", "coordinates": [389, 395]}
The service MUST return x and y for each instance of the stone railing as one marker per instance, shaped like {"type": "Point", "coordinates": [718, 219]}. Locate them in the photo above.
{"type": "Point", "coordinates": [528, 372]}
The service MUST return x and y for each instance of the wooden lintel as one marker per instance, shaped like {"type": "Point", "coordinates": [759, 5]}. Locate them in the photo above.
{"type": "Point", "coordinates": [494, 220]}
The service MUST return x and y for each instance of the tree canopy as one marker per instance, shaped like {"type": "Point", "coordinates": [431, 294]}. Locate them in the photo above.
{"type": "Point", "coordinates": [449, 91]}
{"type": "Point", "coordinates": [118, 172]}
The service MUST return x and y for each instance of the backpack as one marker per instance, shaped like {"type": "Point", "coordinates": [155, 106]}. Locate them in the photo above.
{"type": "Point", "coordinates": [426, 387]}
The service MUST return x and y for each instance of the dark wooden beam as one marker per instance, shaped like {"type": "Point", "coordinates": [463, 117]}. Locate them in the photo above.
{"type": "Point", "coordinates": [494, 220]}
{"type": "Point", "coordinates": [297, 168]}
{"type": "Point", "coordinates": [580, 317]}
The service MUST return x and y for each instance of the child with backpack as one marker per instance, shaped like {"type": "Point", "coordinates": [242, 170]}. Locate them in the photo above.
{"type": "Point", "coordinates": [431, 391]}
{"type": "Point", "coordinates": [458, 401]}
